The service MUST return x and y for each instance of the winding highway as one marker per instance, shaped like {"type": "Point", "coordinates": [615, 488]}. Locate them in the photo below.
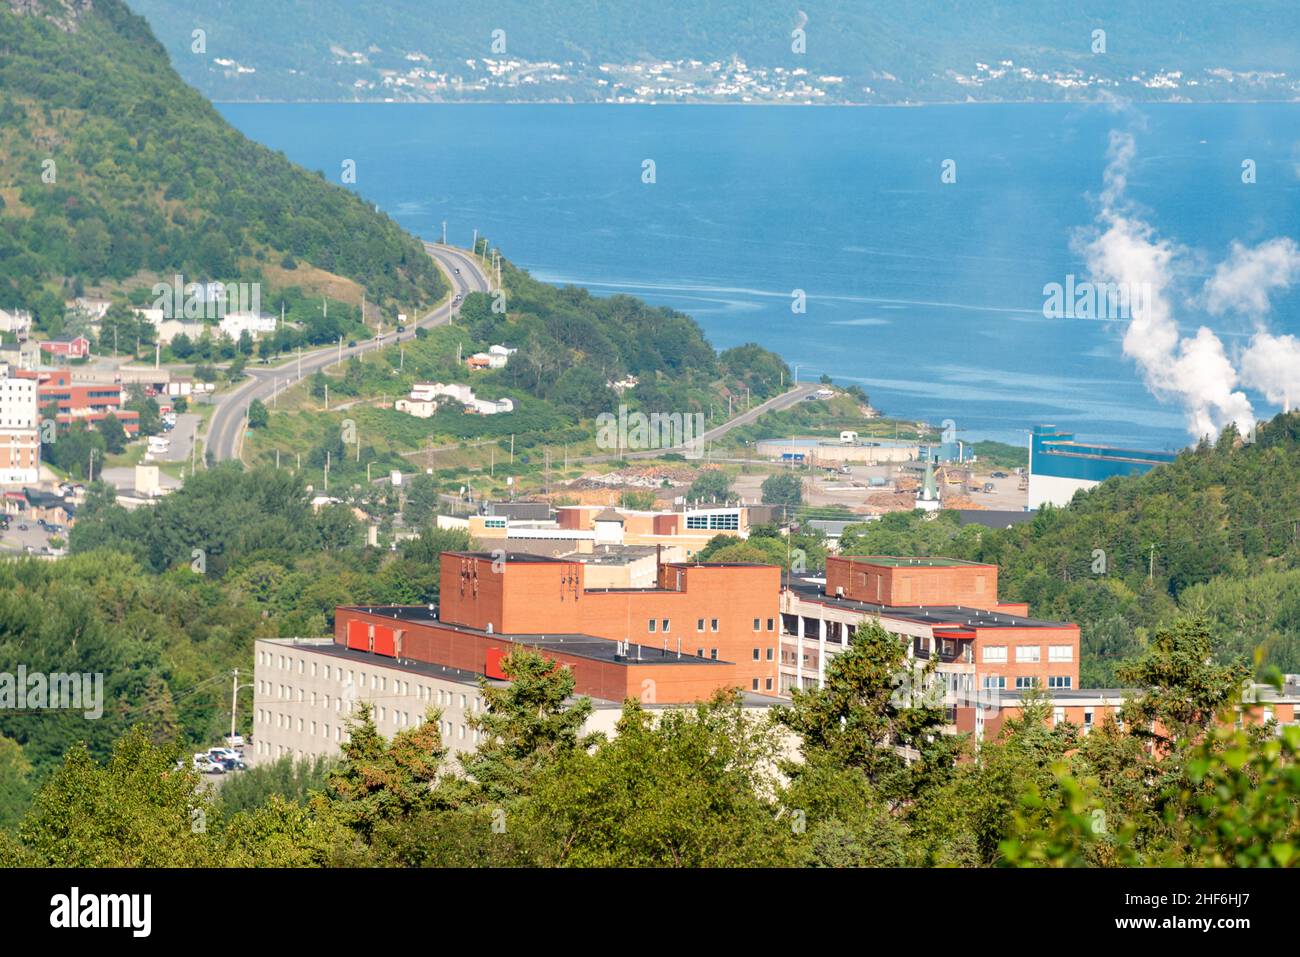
{"type": "Point", "coordinates": [225, 430]}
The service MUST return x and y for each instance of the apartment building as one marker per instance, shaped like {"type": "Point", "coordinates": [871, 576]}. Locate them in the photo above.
{"type": "Point", "coordinates": [20, 439]}
{"type": "Point", "coordinates": [947, 609]}
{"type": "Point", "coordinates": [305, 689]}
{"type": "Point", "coordinates": [1089, 708]}
{"type": "Point", "coordinates": [80, 401]}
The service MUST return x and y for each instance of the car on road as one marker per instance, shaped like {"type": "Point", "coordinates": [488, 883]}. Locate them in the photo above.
{"type": "Point", "coordinates": [457, 298]}
{"type": "Point", "coordinates": [401, 329]}
{"type": "Point", "coordinates": [999, 475]}
{"type": "Point", "coordinates": [457, 269]}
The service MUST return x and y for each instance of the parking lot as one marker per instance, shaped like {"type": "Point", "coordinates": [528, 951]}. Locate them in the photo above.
{"type": "Point", "coordinates": [34, 539]}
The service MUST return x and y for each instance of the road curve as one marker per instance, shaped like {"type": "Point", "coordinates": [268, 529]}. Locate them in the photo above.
{"type": "Point", "coordinates": [225, 429]}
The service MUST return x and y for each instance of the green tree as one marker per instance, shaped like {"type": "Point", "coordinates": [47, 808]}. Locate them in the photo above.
{"type": "Point", "coordinates": [138, 810]}
{"type": "Point", "coordinates": [421, 505]}
{"type": "Point", "coordinates": [783, 488]}
{"type": "Point", "coordinates": [526, 725]}
{"type": "Point", "coordinates": [679, 788]}
{"type": "Point", "coordinates": [379, 781]}
{"type": "Point", "coordinates": [710, 485]}
{"type": "Point", "coordinates": [258, 416]}
{"type": "Point", "coordinates": [113, 433]}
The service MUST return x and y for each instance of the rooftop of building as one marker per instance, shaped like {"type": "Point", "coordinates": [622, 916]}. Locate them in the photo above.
{"type": "Point", "coordinates": [950, 616]}
{"type": "Point", "coordinates": [327, 646]}
{"type": "Point", "coordinates": [581, 646]}
{"type": "Point", "coordinates": [899, 561]}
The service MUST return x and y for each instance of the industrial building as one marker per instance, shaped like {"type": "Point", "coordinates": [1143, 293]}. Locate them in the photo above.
{"type": "Point", "coordinates": [699, 630]}
{"type": "Point", "coordinates": [1059, 465]}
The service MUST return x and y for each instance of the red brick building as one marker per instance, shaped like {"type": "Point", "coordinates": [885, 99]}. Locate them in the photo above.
{"type": "Point", "coordinates": [701, 628]}
{"type": "Point", "coordinates": [88, 402]}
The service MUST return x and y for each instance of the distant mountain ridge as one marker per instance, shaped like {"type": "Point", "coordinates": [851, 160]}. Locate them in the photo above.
{"type": "Point", "coordinates": [113, 171]}
{"type": "Point", "coordinates": [853, 51]}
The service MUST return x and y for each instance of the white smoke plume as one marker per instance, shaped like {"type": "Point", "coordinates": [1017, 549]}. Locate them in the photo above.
{"type": "Point", "coordinates": [1122, 248]}
{"type": "Point", "coordinates": [1243, 284]}
{"type": "Point", "coordinates": [1272, 365]}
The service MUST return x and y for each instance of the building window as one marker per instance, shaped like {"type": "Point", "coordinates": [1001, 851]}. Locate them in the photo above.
{"type": "Point", "coordinates": [1026, 681]}
{"type": "Point", "coordinates": [665, 625]}
{"type": "Point", "coordinates": [756, 655]}
{"type": "Point", "coordinates": [1058, 716]}
{"type": "Point", "coordinates": [769, 653]}
{"type": "Point", "coordinates": [768, 683]}
{"type": "Point", "coordinates": [699, 652]}
{"type": "Point", "coordinates": [699, 624]}
{"type": "Point", "coordinates": [1060, 653]}
{"type": "Point", "coordinates": [771, 624]}
{"type": "Point", "coordinates": [994, 653]}
{"type": "Point", "coordinates": [713, 624]}
{"type": "Point", "coordinates": [755, 684]}
{"type": "Point", "coordinates": [713, 653]}
{"type": "Point", "coordinates": [1059, 681]}
{"type": "Point", "coordinates": [650, 626]}
{"type": "Point", "coordinates": [757, 624]}
{"type": "Point", "coordinates": [995, 681]}
{"type": "Point", "coordinates": [1029, 653]}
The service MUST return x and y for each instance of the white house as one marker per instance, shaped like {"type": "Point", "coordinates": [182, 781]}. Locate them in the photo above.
{"type": "Point", "coordinates": [16, 322]}
{"type": "Point", "coordinates": [235, 324]}
{"type": "Point", "coordinates": [423, 400]}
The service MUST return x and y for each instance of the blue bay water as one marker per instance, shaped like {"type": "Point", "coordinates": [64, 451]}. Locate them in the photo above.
{"type": "Point", "coordinates": [929, 295]}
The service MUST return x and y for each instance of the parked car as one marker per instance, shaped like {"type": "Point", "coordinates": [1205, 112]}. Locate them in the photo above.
{"type": "Point", "coordinates": [401, 329]}
{"type": "Point", "coordinates": [999, 474]}
{"type": "Point", "coordinates": [205, 765]}
{"type": "Point", "coordinates": [223, 754]}
{"type": "Point", "coordinates": [22, 527]}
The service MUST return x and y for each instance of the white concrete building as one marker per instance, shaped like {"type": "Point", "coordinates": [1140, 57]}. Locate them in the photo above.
{"type": "Point", "coordinates": [20, 439]}
{"type": "Point", "coordinates": [305, 689]}
{"type": "Point", "coordinates": [235, 324]}
{"type": "Point", "coordinates": [16, 323]}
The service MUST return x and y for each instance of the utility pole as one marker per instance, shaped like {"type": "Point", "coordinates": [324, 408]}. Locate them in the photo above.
{"type": "Point", "coordinates": [1151, 564]}
{"type": "Point", "coordinates": [327, 472]}
{"type": "Point", "coordinates": [475, 246]}
{"type": "Point", "coordinates": [327, 397]}
{"type": "Point", "coordinates": [444, 232]}
{"type": "Point", "coordinates": [512, 448]}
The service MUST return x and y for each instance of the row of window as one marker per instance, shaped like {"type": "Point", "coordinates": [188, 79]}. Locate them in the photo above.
{"type": "Point", "coordinates": [1026, 654]}
{"type": "Point", "coordinates": [1024, 682]}
{"type": "Point", "coordinates": [664, 625]}
{"type": "Point", "coordinates": [399, 719]}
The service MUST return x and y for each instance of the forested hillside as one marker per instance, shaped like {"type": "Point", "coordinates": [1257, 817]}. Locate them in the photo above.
{"type": "Point", "coordinates": [1215, 533]}
{"type": "Point", "coordinates": [112, 168]}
